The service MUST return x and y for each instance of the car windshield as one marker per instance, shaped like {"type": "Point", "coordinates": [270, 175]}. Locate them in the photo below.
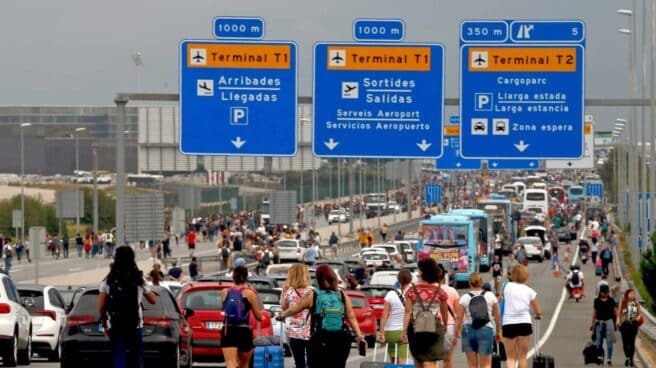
{"type": "Point", "coordinates": [32, 299]}
{"type": "Point", "coordinates": [87, 305]}
{"type": "Point", "coordinates": [357, 302]}
{"type": "Point", "coordinates": [287, 244]}
{"type": "Point", "coordinates": [389, 250]}
{"type": "Point", "coordinates": [373, 292]}
{"type": "Point", "coordinates": [529, 241]}
{"type": "Point", "coordinates": [203, 300]}
{"type": "Point", "coordinates": [374, 256]}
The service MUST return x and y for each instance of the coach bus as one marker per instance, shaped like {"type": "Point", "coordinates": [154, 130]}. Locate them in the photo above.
{"type": "Point", "coordinates": [483, 224]}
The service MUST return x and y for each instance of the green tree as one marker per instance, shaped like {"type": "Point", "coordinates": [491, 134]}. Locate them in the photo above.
{"type": "Point", "coordinates": [106, 209]}
{"type": "Point", "coordinates": [37, 213]}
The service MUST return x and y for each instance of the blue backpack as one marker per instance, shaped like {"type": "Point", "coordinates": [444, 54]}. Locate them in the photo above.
{"type": "Point", "coordinates": [329, 309]}
{"type": "Point", "coordinates": [234, 308]}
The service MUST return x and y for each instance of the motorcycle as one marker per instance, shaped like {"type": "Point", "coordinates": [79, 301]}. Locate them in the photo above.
{"type": "Point", "coordinates": [576, 293]}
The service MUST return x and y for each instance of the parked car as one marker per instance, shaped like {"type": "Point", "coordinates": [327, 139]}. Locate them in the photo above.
{"type": "Point", "coordinates": [202, 306]}
{"type": "Point", "coordinates": [70, 294]}
{"type": "Point", "coordinates": [532, 245]}
{"type": "Point", "coordinates": [166, 333]}
{"type": "Point", "coordinates": [407, 249]}
{"type": "Point", "coordinates": [391, 249]}
{"type": "Point", "coordinates": [376, 297]}
{"type": "Point", "coordinates": [255, 281]}
{"type": "Point", "coordinates": [364, 314]}
{"type": "Point", "coordinates": [48, 311]}
{"type": "Point", "coordinates": [15, 326]}
{"type": "Point", "coordinates": [393, 207]}
{"type": "Point", "coordinates": [291, 249]}
{"type": "Point", "coordinates": [376, 259]}
{"type": "Point", "coordinates": [387, 278]}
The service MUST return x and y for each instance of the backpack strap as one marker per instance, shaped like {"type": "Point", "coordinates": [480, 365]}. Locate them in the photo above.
{"type": "Point", "coordinates": [430, 304]}
{"type": "Point", "coordinates": [401, 298]}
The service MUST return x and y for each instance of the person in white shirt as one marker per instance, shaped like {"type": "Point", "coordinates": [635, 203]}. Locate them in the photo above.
{"type": "Point", "coordinates": [570, 279]}
{"type": "Point", "coordinates": [391, 321]}
{"type": "Point", "coordinates": [453, 298]}
{"type": "Point", "coordinates": [519, 299]}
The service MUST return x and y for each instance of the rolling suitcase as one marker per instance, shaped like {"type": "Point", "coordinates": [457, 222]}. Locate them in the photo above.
{"type": "Point", "coordinates": [383, 364]}
{"type": "Point", "coordinates": [269, 352]}
{"type": "Point", "coordinates": [499, 355]}
{"type": "Point", "coordinates": [590, 354]}
{"type": "Point", "coordinates": [540, 360]}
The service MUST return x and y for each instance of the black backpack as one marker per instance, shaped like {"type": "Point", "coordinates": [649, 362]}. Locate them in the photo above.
{"type": "Point", "coordinates": [478, 310]}
{"type": "Point", "coordinates": [123, 306]}
{"type": "Point", "coordinates": [575, 278]}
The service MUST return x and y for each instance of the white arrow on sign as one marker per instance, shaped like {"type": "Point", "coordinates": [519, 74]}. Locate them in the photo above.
{"type": "Point", "coordinates": [494, 164]}
{"type": "Point", "coordinates": [531, 164]}
{"type": "Point", "coordinates": [331, 144]}
{"type": "Point", "coordinates": [521, 146]}
{"type": "Point", "coordinates": [458, 164]}
{"type": "Point", "coordinates": [424, 145]}
{"type": "Point", "coordinates": [237, 142]}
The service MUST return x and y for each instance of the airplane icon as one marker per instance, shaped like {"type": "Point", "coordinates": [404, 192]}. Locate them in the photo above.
{"type": "Point", "coordinates": [198, 57]}
{"type": "Point", "coordinates": [480, 59]}
{"type": "Point", "coordinates": [349, 88]}
{"type": "Point", "coordinates": [337, 59]}
{"type": "Point", "coordinates": [203, 85]}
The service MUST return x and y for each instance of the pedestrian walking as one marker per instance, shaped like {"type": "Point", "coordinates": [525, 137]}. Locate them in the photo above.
{"type": "Point", "coordinates": [391, 321]}
{"type": "Point", "coordinates": [298, 328]}
{"type": "Point", "coordinates": [333, 241]}
{"type": "Point", "coordinates": [175, 272]}
{"type": "Point", "coordinates": [66, 241]}
{"type": "Point", "coordinates": [121, 315]}
{"type": "Point", "coordinates": [383, 232]}
{"type": "Point", "coordinates": [194, 268]}
{"type": "Point", "coordinates": [606, 259]}
{"type": "Point", "coordinates": [453, 298]}
{"type": "Point", "coordinates": [519, 300]}
{"type": "Point", "coordinates": [330, 339]}
{"type": "Point", "coordinates": [27, 251]}
{"type": "Point", "coordinates": [191, 242]}
{"type": "Point", "coordinates": [156, 275]}
{"type": "Point", "coordinates": [87, 245]}
{"type": "Point", "coordinates": [478, 314]}
{"type": "Point", "coordinates": [239, 301]}
{"type": "Point", "coordinates": [8, 254]}
{"type": "Point", "coordinates": [422, 328]}
{"type": "Point", "coordinates": [603, 323]}
{"type": "Point", "coordinates": [594, 250]}
{"type": "Point", "coordinates": [79, 245]}
{"type": "Point", "coordinates": [628, 321]}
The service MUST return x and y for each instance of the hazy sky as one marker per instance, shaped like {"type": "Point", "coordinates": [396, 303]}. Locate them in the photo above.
{"type": "Point", "coordinates": [78, 51]}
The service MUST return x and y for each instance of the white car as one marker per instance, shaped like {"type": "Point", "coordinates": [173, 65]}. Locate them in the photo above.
{"type": "Point", "coordinates": [391, 249]}
{"type": "Point", "coordinates": [291, 249]}
{"type": "Point", "coordinates": [376, 259]}
{"type": "Point", "coordinates": [48, 310]}
{"type": "Point", "coordinates": [15, 326]}
{"type": "Point", "coordinates": [532, 245]}
{"type": "Point", "coordinates": [393, 207]}
{"type": "Point", "coordinates": [339, 215]}
{"type": "Point", "coordinates": [104, 179]}
{"type": "Point", "coordinates": [408, 250]}
{"type": "Point", "coordinates": [388, 278]}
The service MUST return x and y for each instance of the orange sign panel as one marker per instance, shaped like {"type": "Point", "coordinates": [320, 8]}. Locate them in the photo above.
{"type": "Point", "coordinates": [452, 130]}
{"type": "Point", "coordinates": [248, 56]}
{"type": "Point", "coordinates": [588, 129]}
{"type": "Point", "coordinates": [400, 58]}
{"type": "Point", "coordinates": [516, 59]}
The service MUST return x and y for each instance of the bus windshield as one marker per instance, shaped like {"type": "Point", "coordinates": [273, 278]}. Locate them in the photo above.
{"type": "Point", "coordinates": [534, 196]}
{"type": "Point", "coordinates": [447, 243]}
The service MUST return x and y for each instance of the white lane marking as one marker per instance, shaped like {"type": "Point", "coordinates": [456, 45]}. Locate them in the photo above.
{"type": "Point", "coordinates": [74, 269]}
{"type": "Point", "coordinates": [554, 318]}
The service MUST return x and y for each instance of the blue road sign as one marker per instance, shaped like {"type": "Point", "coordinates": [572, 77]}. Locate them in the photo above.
{"type": "Point", "coordinates": [378, 100]}
{"type": "Point", "coordinates": [238, 98]}
{"type": "Point", "coordinates": [522, 89]}
{"type": "Point", "coordinates": [496, 164]}
{"type": "Point", "coordinates": [365, 29]}
{"type": "Point", "coordinates": [433, 193]}
{"type": "Point", "coordinates": [238, 27]}
{"type": "Point", "coordinates": [451, 158]}
{"type": "Point", "coordinates": [594, 190]}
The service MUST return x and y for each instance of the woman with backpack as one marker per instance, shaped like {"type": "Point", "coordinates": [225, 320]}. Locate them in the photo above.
{"type": "Point", "coordinates": [518, 300]}
{"type": "Point", "coordinates": [391, 321]}
{"type": "Point", "coordinates": [119, 303]}
{"type": "Point", "coordinates": [477, 313]}
{"type": "Point", "coordinates": [330, 338]}
{"type": "Point", "coordinates": [238, 301]}
{"type": "Point", "coordinates": [298, 328]}
{"type": "Point", "coordinates": [422, 328]}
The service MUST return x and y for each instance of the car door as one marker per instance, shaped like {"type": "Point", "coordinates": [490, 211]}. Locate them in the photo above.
{"type": "Point", "coordinates": [57, 303]}
{"type": "Point", "coordinates": [22, 315]}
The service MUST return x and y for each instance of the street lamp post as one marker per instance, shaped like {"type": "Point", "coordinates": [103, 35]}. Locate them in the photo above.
{"type": "Point", "coordinates": [22, 181]}
{"type": "Point", "coordinates": [77, 182]}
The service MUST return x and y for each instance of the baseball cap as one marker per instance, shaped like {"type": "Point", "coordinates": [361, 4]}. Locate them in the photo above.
{"type": "Point", "coordinates": [239, 262]}
{"type": "Point", "coordinates": [604, 289]}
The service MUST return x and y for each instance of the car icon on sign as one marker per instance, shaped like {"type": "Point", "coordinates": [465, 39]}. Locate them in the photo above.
{"type": "Point", "coordinates": [500, 126]}
{"type": "Point", "coordinates": [479, 126]}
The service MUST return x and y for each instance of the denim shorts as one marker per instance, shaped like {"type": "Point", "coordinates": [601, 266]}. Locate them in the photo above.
{"type": "Point", "coordinates": [479, 341]}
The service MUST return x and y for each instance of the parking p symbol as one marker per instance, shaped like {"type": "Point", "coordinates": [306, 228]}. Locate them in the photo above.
{"type": "Point", "coordinates": [483, 102]}
{"type": "Point", "coordinates": [239, 116]}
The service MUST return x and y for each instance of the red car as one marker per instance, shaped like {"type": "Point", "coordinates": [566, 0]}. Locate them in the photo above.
{"type": "Point", "coordinates": [202, 306]}
{"type": "Point", "coordinates": [376, 297]}
{"type": "Point", "coordinates": [364, 314]}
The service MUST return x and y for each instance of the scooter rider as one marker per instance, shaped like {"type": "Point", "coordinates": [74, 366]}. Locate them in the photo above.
{"type": "Point", "coordinates": [584, 249]}
{"type": "Point", "coordinates": [574, 279]}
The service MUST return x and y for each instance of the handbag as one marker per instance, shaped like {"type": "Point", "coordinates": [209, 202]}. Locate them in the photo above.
{"type": "Point", "coordinates": [640, 320]}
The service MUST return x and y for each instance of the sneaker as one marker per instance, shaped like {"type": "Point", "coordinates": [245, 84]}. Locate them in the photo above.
{"type": "Point", "coordinates": [627, 361]}
{"type": "Point", "coordinates": [609, 363]}
{"type": "Point", "coordinates": [631, 362]}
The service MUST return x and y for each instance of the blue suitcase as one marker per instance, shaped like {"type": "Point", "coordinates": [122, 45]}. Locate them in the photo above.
{"type": "Point", "coordinates": [268, 357]}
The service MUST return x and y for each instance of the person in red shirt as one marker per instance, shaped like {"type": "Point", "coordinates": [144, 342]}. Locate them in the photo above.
{"type": "Point", "coordinates": [426, 294]}
{"type": "Point", "coordinates": [191, 242]}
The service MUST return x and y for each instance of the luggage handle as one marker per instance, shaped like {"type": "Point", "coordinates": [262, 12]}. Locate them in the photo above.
{"type": "Point", "coordinates": [396, 353]}
{"type": "Point", "coordinates": [536, 337]}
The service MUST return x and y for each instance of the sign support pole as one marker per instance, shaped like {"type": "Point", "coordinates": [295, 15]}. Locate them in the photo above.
{"type": "Point", "coordinates": [409, 189]}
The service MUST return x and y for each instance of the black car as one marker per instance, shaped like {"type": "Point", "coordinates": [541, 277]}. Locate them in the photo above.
{"type": "Point", "coordinates": [166, 333]}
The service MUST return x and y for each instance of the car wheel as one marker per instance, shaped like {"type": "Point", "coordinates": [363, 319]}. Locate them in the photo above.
{"type": "Point", "coordinates": [371, 341]}
{"type": "Point", "coordinates": [55, 354]}
{"type": "Point", "coordinates": [25, 355]}
{"type": "Point", "coordinates": [541, 259]}
{"type": "Point", "coordinates": [10, 358]}
{"type": "Point", "coordinates": [174, 361]}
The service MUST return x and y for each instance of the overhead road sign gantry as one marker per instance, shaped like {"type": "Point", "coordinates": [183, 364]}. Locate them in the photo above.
{"type": "Point", "coordinates": [451, 158]}
{"type": "Point", "coordinates": [382, 100]}
{"type": "Point", "coordinates": [238, 98]}
{"type": "Point", "coordinates": [522, 89]}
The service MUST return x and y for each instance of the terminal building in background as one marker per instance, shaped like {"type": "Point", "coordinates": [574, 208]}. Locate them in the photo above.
{"type": "Point", "coordinates": [50, 141]}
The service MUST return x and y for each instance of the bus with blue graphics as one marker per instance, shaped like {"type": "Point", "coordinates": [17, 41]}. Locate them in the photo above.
{"type": "Point", "coordinates": [575, 193]}
{"type": "Point", "coordinates": [503, 227]}
{"type": "Point", "coordinates": [452, 239]}
{"type": "Point", "coordinates": [483, 225]}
